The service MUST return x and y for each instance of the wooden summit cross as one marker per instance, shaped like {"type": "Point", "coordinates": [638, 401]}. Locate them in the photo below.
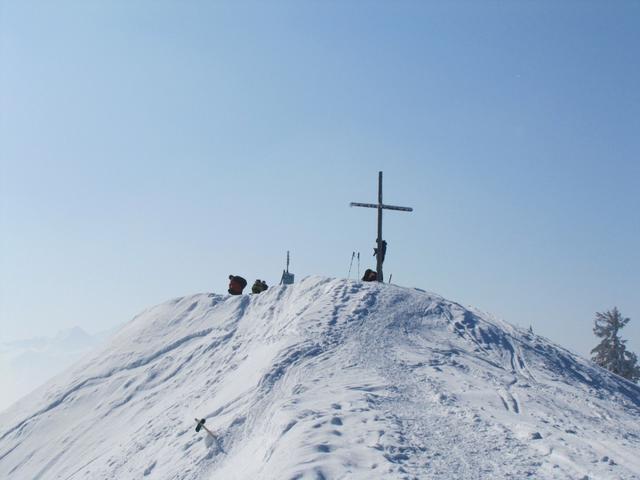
{"type": "Point", "coordinates": [380, 206]}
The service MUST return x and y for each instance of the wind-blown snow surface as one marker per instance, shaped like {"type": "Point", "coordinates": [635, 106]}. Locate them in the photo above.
{"type": "Point", "coordinates": [325, 379]}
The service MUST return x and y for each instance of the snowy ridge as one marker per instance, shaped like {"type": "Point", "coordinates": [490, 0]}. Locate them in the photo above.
{"type": "Point", "coordinates": [325, 379]}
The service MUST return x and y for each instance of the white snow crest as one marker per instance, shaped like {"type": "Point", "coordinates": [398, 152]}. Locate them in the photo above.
{"type": "Point", "coordinates": [325, 379]}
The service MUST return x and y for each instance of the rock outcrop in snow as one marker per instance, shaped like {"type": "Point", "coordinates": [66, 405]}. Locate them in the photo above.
{"type": "Point", "coordinates": [325, 379]}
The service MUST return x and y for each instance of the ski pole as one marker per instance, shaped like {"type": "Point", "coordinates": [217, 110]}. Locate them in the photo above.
{"type": "Point", "coordinates": [201, 425]}
{"type": "Point", "coordinates": [353, 254]}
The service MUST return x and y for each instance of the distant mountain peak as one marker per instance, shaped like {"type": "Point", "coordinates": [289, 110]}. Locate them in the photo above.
{"type": "Point", "coordinates": [73, 332]}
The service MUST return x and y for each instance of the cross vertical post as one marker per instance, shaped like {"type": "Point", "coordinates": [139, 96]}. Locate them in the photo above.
{"type": "Point", "coordinates": [380, 250]}
{"type": "Point", "coordinates": [379, 240]}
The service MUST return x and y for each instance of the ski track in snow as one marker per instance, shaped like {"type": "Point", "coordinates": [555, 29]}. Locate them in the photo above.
{"type": "Point", "coordinates": [325, 379]}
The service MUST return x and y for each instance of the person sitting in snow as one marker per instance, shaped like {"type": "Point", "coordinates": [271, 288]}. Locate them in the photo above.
{"type": "Point", "coordinates": [259, 286]}
{"type": "Point", "coordinates": [370, 276]}
{"type": "Point", "coordinates": [236, 284]}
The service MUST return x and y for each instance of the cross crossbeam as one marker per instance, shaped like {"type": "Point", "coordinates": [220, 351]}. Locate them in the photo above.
{"type": "Point", "coordinates": [384, 207]}
{"type": "Point", "coordinates": [380, 206]}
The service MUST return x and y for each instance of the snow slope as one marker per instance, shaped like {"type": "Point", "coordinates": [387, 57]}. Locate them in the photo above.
{"type": "Point", "coordinates": [325, 379]}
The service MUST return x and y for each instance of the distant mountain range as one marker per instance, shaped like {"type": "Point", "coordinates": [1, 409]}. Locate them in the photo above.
{"type": "Point", "coordinates": [28, 363]}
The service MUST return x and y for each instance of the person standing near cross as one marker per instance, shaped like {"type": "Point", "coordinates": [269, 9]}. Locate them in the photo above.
{"type": "Point", "coordinates": [381, 249]}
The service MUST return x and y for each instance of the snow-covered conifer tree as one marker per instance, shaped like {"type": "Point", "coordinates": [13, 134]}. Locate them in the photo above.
{"type": "Point", "coordinates": [611, 353]}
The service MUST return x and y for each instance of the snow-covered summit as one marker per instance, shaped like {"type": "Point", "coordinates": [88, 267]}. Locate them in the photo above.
{"type": "Point", "coordinates": [325, 379]}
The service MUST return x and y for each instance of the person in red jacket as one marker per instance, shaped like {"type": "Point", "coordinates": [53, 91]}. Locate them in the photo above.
{"type": "Point", "coordinates": [236, 284]}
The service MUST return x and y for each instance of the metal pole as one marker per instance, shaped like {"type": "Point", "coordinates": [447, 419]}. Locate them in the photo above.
{"type": "Point", "coordinates": [379, 255]}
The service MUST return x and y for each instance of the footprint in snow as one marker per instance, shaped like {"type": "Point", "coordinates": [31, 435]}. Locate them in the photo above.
{"type": "Point", "coordinates": [213, 444]}
{"type": "Point", "coordinates": [150, 468]}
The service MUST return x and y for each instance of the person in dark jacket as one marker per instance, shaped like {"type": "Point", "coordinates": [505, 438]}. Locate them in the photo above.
{"type": "Point", "coordinates": [370, 276]}
{"type": "Point", "coordinates": [383, 253]}
{"type": "Point", "coordinates": [236, 284]}
{"type": "Point", "coordinates": [259, 286]}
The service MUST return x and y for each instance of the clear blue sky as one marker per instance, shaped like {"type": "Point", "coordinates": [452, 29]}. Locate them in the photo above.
{"type": "Point", "coordinates": [150, 148]}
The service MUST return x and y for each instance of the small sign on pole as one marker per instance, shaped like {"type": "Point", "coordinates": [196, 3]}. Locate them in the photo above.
{"type": "Point", "coordinates": [287, 278]}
